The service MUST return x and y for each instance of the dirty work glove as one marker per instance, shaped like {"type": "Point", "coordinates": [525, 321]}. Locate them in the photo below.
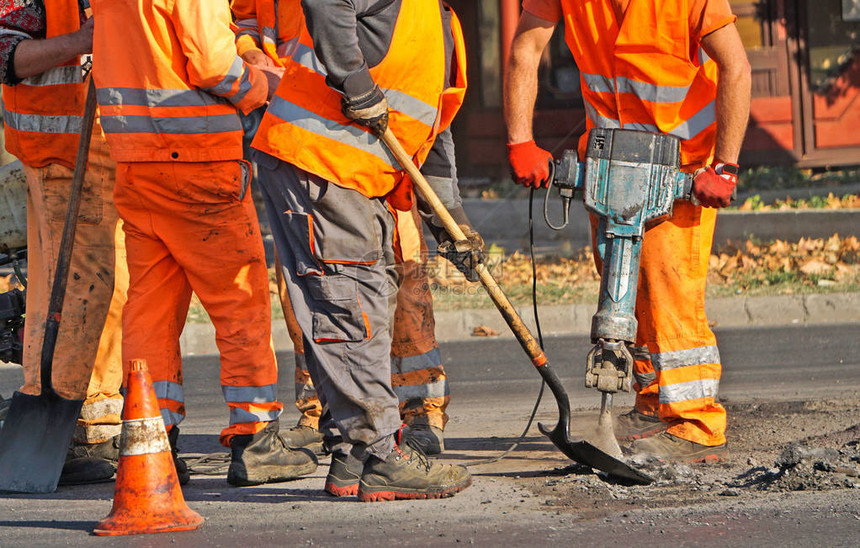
{"type": "Point", "coordinates": [464, 254]}
{"type": "Point", "coordinates": [713, 186]}
{"type": "Point", "coordinates": [529, 164]}
{"type": "Point", "coordinates": [368, 109]}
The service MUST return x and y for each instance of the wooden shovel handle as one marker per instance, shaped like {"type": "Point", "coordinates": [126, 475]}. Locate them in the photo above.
{"type": "Point", "coordinates": [512, 318]}
{"type": "Point", "coordinates": [64, 257]}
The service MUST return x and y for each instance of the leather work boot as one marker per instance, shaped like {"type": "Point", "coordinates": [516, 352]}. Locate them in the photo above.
{"type": "Point", "coordinates": [265, 458]}
{"type": "Point", "coordinates": [343, 476]}
{"type": "Point", "coordinates": [429, 439]}
{"type": "Point", "coordinates": [84, 470]}
{"type": "Point", "coordinates": [407, 474]}
{"type": "Point", "coordinates": [665, 446]}
{"type": "Point", "coordinates": [90, 462]}
{"type": "Point", "coordinates": [182, 472]}
{"type": "Point", "coordinates": [635, 425]}
{"type": "Point", "coordinates": [301, 436]}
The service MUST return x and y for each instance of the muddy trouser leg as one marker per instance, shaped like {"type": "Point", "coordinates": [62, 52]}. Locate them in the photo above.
{"type": "Point", "coordinates": [417, 374]}
{"type": "Point", "coordinates": [335, 246]}
{"type": "Point", "coordinates": [189, 230]}
{"type": "Point", "coordinates": [86, 358]}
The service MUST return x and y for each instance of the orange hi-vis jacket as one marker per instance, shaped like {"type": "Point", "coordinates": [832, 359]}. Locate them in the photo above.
{"type": "Point", "coordinates": [649, 74]}
{"type": "Point", "coordinates": [304, 125]}
{"type": "Point", "coordinates": [273, 26]}
{"type": "Point", "coordinates": [43, 112]}
{"type": "Point", "coordinates": [169, 80]}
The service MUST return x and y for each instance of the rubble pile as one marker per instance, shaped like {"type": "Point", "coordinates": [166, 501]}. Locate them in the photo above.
{"type": "Point", "coordinates": [802, 467]}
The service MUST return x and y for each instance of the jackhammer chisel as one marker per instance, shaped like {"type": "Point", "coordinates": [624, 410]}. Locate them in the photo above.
{"type": "Point", "coordinates": [580, 451]}
{"type": "Point", "coordinates": [630, 181]}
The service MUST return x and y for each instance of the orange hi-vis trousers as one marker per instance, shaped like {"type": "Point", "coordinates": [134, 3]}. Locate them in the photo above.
{"type": "Point", "coordinates": [417, 374]}
{"type": "Point", "coordinates": [193, 227]}
{"type": "Point", "coordinates": [677, 365]}
{"type": "Point", "coordinates": [87, 362]}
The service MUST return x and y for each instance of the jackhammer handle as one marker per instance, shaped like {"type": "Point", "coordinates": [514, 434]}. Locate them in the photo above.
{"type": "Point", "coordinates": [509, 313]}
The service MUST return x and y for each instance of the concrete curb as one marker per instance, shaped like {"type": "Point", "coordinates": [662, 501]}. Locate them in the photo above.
{"type": "Point", "coordinates": [505, 223]}
{"type": "Point", "coordinates": [575, 319]}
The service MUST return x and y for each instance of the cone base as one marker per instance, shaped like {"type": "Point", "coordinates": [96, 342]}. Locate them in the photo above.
{"type": "Point", "coordinates": [126, 524]}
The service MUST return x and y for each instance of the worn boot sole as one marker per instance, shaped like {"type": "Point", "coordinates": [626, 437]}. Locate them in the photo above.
{"type": "Point", "coordinates": [245, 480]}
{"type": "Point", "coordinates": [335, 489]}
{"type": "Point", "coordinates": [379, 494]}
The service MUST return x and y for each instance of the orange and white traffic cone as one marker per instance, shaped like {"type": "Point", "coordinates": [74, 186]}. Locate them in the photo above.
{"type": "Point", "coordinates": [147, 497]}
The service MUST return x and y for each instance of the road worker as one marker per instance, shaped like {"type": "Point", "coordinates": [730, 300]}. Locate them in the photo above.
{"type": "Point", "coordinates": [264, 37]}
{"type": "Point", "coordinates": [44, 46]}
{"type": "Point", "coordinates": [169, 86]}
{"type": "Point", "coordinates": [328, 192]}
{"type": "Point", "coordinates": [672, 67]}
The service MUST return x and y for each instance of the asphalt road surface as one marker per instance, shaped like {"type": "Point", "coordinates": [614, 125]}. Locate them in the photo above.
{"type": "Point", "coordinates": [532, 496]}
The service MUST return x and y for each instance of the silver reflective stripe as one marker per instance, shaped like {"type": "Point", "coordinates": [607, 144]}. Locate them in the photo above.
{"type": "Point", "coordinates": [427, 360]}
{"type": "Point", "coordinates": [171, 417]}
{"type": "Point", "coordinates": [288, 48]}
{"type": "Point", "coordinates": [697, 123]}
{"type": "Point", "coordinates": [237, 70]}
{"type": "Point", "coordinates": [167, 390]}
{"type": "Point", "coordinates": [703, 56]}
{"type": "Point", "coordinates": [643, 90]}
{"type": "Point", "coordinates": [156, 97]}
{"type": "Point", "coordinates": [247, 23]}
{"type": "Point", "coordinates": [412, 107]}
{"type": "Point", "coordinates": [437, 389]}
{"type": "Point", "coordinates": [177, 125]}
{"type": "Point", "coordinates": [42, 124]}
{"type": "Point", "coordinates": [238, 415]}
{"type": "Point", "coordinates": [250, 394]}
{"type": "Point", "coordinates": [640, 353]}
{"type": "Point", "coordinates": [269, 35]}
{"type": "Point", "coordinates": [397, 100]}
{"type": "Point", "coordinates": [645, 379]}
{"type": "Point", "coordinates": [650, 92]}
{"type": "Point", "coordinates": [598, 83]}
{"type": "Point", "coordinates": [685, 391]}
{"type": "Point", "coordinates": [67, 74]}
{"type": "Point", "coordinates": [348, 135]}
{"type": "Point", "coordinates": [306, 57]}
{"type": "Point", "coordinates": [599, 120]}
{"type": "Point", "coordinates": [682, 358]}
{"type": "Point", "coordinates": [248, 32]}
{"type": "Point", "coordinates": [143, 437]}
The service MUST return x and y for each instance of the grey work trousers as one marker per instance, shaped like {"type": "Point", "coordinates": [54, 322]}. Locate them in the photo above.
{"type": "Point", "coordinates": [336, 251]}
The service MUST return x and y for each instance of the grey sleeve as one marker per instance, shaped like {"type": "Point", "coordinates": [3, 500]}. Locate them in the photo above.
{"type": "Point", "coordinates": [440, 170]}
{"type": "Point", "coordinates": [333, 26]}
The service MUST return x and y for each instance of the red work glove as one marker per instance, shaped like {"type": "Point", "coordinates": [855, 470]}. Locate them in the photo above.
{"type": "Point", "coordinates": [529, 164]}
{"type": "Point", "coordinates": [713, 185]}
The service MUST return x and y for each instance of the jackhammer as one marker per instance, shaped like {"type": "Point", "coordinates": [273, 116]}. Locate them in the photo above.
{"type": "Point", "coordinates": [630, 181]}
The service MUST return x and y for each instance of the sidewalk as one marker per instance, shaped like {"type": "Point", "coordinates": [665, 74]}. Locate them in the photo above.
{"type": "Point", "coordinates": [575, 319]}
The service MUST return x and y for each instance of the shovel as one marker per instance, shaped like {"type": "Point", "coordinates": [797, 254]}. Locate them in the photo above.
{"type": "Point", "coordinates": [580, 451]}
{"type": "Point", "coordinates": [38, 429]}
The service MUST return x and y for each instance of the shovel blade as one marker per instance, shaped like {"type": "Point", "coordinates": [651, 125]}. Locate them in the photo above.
{"type": "Point", "coordinates": [589, 455]}
{"type": "Point", "coordinates": [34, 441]}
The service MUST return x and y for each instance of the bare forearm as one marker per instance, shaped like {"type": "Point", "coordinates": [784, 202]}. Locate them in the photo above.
{"type": "Point", "coordinates": [521, 76]}
{"type": "Point", "coordinates": [725, 47]}
{"type": "Point", "coordinates": [34, 57]}
{"type": "Point", "coordinates": [733, 107]}
{"type": "Point", "coordinates": [519, 97]}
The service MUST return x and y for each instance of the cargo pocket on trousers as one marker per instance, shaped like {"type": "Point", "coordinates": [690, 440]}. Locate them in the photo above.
{"type": "Point", "coordinates": [337, 315]}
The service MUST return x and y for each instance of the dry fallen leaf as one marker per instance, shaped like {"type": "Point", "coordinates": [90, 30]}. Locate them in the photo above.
{"type": "Point", "coordinates": [484, 331]}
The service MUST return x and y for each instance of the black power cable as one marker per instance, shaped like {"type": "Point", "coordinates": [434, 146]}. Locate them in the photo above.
{"type": "Point", "coordinates": [540, 340]}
